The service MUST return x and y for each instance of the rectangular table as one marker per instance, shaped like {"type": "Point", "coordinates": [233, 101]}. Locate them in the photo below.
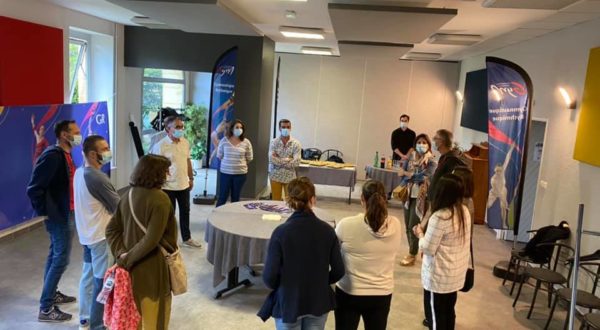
{"type": "Point", "coordinates": [344, 177]}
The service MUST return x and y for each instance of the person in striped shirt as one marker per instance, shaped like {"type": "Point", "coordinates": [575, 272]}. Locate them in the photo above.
{"type": "Point", "coordinates": [445, 247]}
{"type": "Point", "coordinates": [235, 152]}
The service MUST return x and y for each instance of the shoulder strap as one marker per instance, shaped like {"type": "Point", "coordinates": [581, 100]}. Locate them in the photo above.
{"type": "Point", "coordinates": [472, 258]}
{"type": "Point", "coordinates": [162, 249]}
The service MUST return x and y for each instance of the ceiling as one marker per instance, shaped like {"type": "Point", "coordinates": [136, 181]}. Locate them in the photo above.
{"type": "Point", "coordinates": [408, 22]}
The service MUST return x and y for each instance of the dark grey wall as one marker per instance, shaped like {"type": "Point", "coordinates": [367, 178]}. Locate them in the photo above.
{"type": "Point", "coordinates": [177, 50]}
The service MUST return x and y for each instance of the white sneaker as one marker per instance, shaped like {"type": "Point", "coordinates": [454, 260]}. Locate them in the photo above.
{"type": "Point", "coordinates": [192, 243]}
{"type": "Point", "coordinates": [84, 325]}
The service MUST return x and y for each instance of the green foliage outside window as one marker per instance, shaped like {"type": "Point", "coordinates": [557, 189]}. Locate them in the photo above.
{"type": "Point", "coordinates": [196, 129]}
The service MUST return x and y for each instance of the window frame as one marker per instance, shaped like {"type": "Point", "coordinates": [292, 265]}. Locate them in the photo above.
{"type": "Point", "coordinates": [82, 52]}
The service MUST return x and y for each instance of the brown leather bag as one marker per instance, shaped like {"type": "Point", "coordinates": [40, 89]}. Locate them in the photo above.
{"type": "Point", "coordinates": [401, 193]}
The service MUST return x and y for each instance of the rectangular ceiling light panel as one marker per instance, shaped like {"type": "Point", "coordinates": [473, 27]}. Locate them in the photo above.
{"type": "Point", "coordinates": [528, 4]}
{"type": "Point", "coordinates": [454, 39]}
{"type": "Point", "coordinates": [303, 33]}
{"type": "Point", "coordinates": [317, 51]}
{"type": "Point", "coordinates": [379, 23]}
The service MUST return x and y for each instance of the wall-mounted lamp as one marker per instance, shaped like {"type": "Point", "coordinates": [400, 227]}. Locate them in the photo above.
{"type": "Point", "coordinates": [459, 96]}
{"type": "Point", "coordinates": [570, 103]}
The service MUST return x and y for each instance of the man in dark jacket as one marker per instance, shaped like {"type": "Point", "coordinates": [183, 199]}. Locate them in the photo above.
{"type": "Point", "coordinates": [51, 193]}
{"type": "Point", "coordinates": [450, 158]}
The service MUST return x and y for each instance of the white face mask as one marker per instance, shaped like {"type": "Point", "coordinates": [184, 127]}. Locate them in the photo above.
{"type": "Point", "coordinates": [403, 124]}
{"type": "Point", "coordinates": [422, 148]}
{"type": "Point", "coordinates": [76, 140]}
{"type": "Point", "coordinates": [105, 157]}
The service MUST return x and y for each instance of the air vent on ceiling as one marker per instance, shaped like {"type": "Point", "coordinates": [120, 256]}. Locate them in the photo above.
{"type": "Point", "coordinates": [528, 4]}
{"type": "Point", "coordinates": [454, 39]}
{"type": "Point", "coordinates": [422, 56]}
{"type": "Point", "coordinates": [148, 22]}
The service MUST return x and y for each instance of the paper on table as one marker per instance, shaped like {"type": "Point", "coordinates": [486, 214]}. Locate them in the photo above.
{"type": "Point", "coordinates": [271, 217]}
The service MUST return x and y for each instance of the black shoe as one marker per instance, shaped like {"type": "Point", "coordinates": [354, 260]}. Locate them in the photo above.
{"type": "Point", "coordinates": [425, 323]}
{"type": "Point", "coordinates": [60, 298]}
{"type": "Point", "coordinates": [54, 315]}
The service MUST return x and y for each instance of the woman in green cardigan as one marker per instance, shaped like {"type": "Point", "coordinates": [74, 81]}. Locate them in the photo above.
{"type": "Point", "coordinates": [139, 253]}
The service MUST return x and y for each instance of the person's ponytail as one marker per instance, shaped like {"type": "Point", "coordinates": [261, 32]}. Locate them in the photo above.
{"type": "Point", "coordinates": [373, 193]}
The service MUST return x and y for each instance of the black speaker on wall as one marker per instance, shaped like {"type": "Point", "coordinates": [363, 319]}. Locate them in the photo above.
{"type": "Point", "coordinates": [475, 102]}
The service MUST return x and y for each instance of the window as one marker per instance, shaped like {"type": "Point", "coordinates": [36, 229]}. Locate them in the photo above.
{"type": "Point", "coordinates": [160, 89]}
{"type": "Point", "coordinates": [78, 75]}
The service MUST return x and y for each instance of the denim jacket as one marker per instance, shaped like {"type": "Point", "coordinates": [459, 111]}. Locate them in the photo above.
{"type": "Point", "coordinates": [421, 169]}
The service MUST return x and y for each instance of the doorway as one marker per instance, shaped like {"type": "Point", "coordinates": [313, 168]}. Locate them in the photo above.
{"type": "Point", "coordinates": [535, 149]}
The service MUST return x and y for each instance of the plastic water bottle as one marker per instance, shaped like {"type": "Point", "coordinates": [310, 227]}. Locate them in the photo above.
{"type": "Point", "coordinates": [107, 288]}
{"type": "Point", "coordinates": [376, 160]}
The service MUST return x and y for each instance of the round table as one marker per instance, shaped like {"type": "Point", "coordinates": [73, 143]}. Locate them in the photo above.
{"type": "Point", "coordinates": [238, 236]}
{"type": "Point", "coordinates": [390, 177]}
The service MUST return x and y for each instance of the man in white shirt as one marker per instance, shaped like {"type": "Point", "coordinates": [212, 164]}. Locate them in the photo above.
{"type": "Point", "coordinates": [284, 158]}
{"type": "Point", "coordinates": [181, 177]}
{"type": "Point", "coordinates": [96, 201]}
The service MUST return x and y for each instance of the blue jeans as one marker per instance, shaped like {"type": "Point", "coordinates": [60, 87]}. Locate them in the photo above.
{"type": "Point", "coordinates": [96, 258]}
{"type": "Point", "coordinates": [307, 322]}
{"type": "Point", "coordinates": [230, 183]}
{"type": "Point", "coordinates": [61, 233]}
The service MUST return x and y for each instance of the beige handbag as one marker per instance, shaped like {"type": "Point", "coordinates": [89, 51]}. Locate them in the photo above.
{"type": "Point", "coordinates": [177, 272]}
{"type": "Point", "coordinates": [401, 193]}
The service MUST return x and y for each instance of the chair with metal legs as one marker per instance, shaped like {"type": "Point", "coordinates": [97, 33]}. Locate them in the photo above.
{"type": "Point", "coordinates": [561, 254]}
{"type": "Point", "coordinates": [590, 321]}
{"type": "Point", "coordinates": [585, 299]}
{"type": "Point", "coordinates": [520, 256]}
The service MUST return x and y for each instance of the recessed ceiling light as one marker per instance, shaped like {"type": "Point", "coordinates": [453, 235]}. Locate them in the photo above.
{"type": "Point", "coordinates": [317, 51]}
{"type": "Point", "coordinates": [421, 56]}
{"type": "Point", "coordinates": [300, 32]}
{"type": "Point", "coordinates": [290, 14]}
{"type": "Point", "coordinates": [454, 39]}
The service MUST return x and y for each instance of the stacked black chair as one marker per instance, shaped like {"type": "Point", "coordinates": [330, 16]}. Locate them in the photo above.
{"type": "Point", "coordinates": [591, 321]}
{"type": "Point", "coordinates": [534, 253]}
{"type": "Point", "coordinates": [333, 155]}
{"type": "Point", "coordinates": [584, 299]}
{"type": "Point", "coordinates": [561, 254]}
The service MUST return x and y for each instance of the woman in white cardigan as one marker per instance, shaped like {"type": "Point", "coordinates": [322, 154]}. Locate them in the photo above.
{"type": "Point", "coordinates": [445, 248]}
{"type": "Point", "coordinates": [369, 242]}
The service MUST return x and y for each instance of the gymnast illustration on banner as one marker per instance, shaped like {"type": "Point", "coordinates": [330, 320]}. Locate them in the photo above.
{"type": "Point", "coordinates": [223, 116]}
{"type": "Point", "coordinates": [498, 190]}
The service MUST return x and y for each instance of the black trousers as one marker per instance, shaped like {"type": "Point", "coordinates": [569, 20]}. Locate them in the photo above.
{"type": "Point", "coordinates": [182, 198]}
{"type": "Point", "coordinates": [373, 309]}
{"type": "Point", "coordinates": [439, 309]}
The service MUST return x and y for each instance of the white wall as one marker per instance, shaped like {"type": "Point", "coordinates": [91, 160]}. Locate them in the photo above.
{"type": "Point", "coordinates": [556, 59]}
{"type": "Point", "coordinates": [353, 104]}
{"type": "Point", "coordinates": [128, 81]}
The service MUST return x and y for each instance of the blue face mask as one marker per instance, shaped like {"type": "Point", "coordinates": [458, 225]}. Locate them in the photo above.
{"type": "Point", "coordinates": [238, 131]}
{"type": "Point", "coordinates": [422, 148]}
{"type": "Point", "coordinates": [178, 133]}
{"type": "Point", "coordinates": [285, 132]}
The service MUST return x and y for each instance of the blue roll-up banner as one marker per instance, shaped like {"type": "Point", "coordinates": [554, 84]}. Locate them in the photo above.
{"type": "Point", "coordinates": [221, 102]}
{"type": "Point", "coordinates": [25, 132]}
{"type": "Point", "coordinates": [509, 112]}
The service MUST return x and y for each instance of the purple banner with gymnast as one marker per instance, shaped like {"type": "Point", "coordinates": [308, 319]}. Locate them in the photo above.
{"type": "Point", "coordinates": [221, 102]}
{"type": "Point", "coordinates": [509, 103]}
{"type": "Point", "coordinates": [26, 131]}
